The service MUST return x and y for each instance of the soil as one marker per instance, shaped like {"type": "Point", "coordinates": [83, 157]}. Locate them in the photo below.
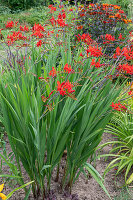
{"type": "Point", "coordinates": [83, 189]}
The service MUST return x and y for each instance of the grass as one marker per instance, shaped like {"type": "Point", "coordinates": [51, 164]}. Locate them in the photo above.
{"type": "Point", "coordinates": [31, 16]}
{"type": "Point", "coordinates": [125, 194]}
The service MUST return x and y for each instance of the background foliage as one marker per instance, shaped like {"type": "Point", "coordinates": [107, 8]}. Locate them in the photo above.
{"type": "Point", "coordinates": [21, 4]}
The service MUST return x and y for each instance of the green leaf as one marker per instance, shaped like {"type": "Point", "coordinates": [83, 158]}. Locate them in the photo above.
{"type": "Point", "coordinates": [130, 179]}
{"type": "Point", "coordinates": [45, 167]}
{"type": "Point", "coordinates": [28, 193]}
{"type": "Point", "coordinates": [10, 176]}
{"type": "Point", "coordinates": [96, 176]}
{"type": "Point", "coordinates": [11, 193]}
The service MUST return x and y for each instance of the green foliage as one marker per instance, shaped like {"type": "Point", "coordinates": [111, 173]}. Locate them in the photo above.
{"type": "Point", "coordinates": [121, 126]}
{"type": "Point", "coordinates": [125, 194]}
{"type": "Point", "coordinates": [40, 121]}
{"type": "Point", "coordinates": [20, 4]}
{"type": "Point", "coordinates": [16, 189]}
{"type": "Point", "coordinates": [38, 137]}
{"type": "Point", "coordinates": [4, 10]}
{"type": "Point", "coordinates": [30, 16]}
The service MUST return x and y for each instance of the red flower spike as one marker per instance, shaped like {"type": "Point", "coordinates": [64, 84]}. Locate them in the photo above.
{"type": "Point", "coordinates": [94, 51]}
{"type": "Point", "coordinates": [126, 68]}
{"type": "Point", "coordinates": [67, 68]}
{"type": "Point", "coordinates": [120, 37]}
{"type": "Point", "coordinates": [39, 43]}
{"type": "Point", "coordinates": [9, 24]}
{"type": "Point", "coordinates": [81, 55]}
{"type": "Point", "coordinates": [118, 107]}
{"type": "Point", "coordinates": [65, 88]}
{"type": "Point", "coordinates": [52, 72]}
{"type": "Point", "coordinates": [41, 78]}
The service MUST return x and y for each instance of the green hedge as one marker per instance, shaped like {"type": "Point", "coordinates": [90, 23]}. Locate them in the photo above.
{"type": "Point", "coordinates": [21, 4]}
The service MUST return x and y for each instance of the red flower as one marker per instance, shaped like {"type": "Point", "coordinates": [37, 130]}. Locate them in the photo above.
{"type": "Point", "coordinates": [15, 36]}
{"type": "Point", "coordinates": [118, 52]}
{"type": "Point", "coordinates": [9, 24]}
{"type": "Point", "coordinates": [93, 62]}
{"type": "Point", "coordinates": [109, 38]}
{"type": "Point", "coordinates": [94, 51]}
{"type": "Point", "coordinates": [39, 43]}
{"type": "Point", "coordinates": [41, 78]}
{"type": "Point", "coordinates": [52, 8]}
{"type": "Point", "coordinates": [118, 107]}
{"type": "Point", "coordinates": [64, 15]}
{"type": "Point", "coordinates": [120, 37]}
{"type": "Point", "coordinates": [96, 64]}
{"type": "Point", "coordinates": [25, 28]}
{"type": "Point", "coordinates": [67, 68]}
{"type": "Point", "coordinates": [130, 93]}
{"type": "Point", "coordinates": [121, 11]}
{"type": "Point", "coordinates": [81, 55]}
{"type": "Point", "coordinates": [65, 88]}
{"type": "Point", "coordinates": [38, 27]}
{"type": "Point", "coordinates": [53, 21]}
{"type": "Point", "coordinates": [128, 53]}
{"type": "Point", "coordinates": [52, 72]}
{"type": "Point", "coordinates": [37, 34]}
{"type": "Point", "coordinates": [128, 69]}
{"type": "Point", "coordinates": [86, 38]}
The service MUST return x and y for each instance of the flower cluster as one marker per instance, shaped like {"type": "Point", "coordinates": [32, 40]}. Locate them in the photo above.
{"type": "Point", "coordinates": [109, 38]}
{"type": "Point", "coordinates": [52, 8]}
{"type": "Point", "coordinates": [25, 28]}
{"type": "Point", "coordinates": [39, 43]}
{"type": "Point", "coordinates": [96, 64]}
{"type": "Point", "coordinates": [103, 20]}
{"type": "Point", "coordinates": [127, 52]}
{"type": "Point", "coordinates": [9, 24]}
{"type": "Point", "coordinates": [126, 68]}
{"type": "Point", "coordinates": [53, 72]}
{"type": "Point", "coordinates": [86, 38]}
{"type": "Point", "coordinates": [65, 88]}
{"type": "Point", "coordinates": [38, 27]}
{"type": "Point", "coordinates": [108, 13]}
{"type": "Point", "coordinates": [94, 51]}
{"type": "Point", "coordinates": [37, 31]}
{"type": "Point", "coordinates": [17, 35]}
{"type": "Point", "coordinates": [68, 68]}
{"type": "Point", "coordinates": [118, 107]}
{"type": "Point", "coordinates": [60, 20]}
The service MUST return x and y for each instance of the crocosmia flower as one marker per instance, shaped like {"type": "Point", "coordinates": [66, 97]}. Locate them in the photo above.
{"type": "Point", "coordinates": [118, 106]}
{"type": "Point", "coordinates": [67, 68]}
{"type": "Point", "coordinates": [65, 88]}
{"type": "Point", "coordinates": [39, 43]}
{"type": "Point", "coordinates": [52, 72]}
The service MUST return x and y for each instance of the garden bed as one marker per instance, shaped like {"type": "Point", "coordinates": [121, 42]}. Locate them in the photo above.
{"type": "Point", "coordinates": [61, 87]}
{"type": "Point", "coordinates": [83, 189]}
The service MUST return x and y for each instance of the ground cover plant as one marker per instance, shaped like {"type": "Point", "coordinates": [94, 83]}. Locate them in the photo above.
{"type": "Point", "coordinates": [56, 87]}
{"type": "Point", "coordinates": [121, 127]}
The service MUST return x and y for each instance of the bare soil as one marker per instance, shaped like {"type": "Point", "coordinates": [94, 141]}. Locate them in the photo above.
{"type": "Point", "coordinates": [83, 189]}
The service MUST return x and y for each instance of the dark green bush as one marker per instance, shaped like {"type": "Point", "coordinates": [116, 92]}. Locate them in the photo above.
{"type": "Point", "coordinates": [20, 4]}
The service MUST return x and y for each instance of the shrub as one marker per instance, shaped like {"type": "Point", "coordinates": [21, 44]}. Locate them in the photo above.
{"type": "Point", "coordinates": [20, 4]}
{"type": "Point", "coordinates": [107, 24]}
